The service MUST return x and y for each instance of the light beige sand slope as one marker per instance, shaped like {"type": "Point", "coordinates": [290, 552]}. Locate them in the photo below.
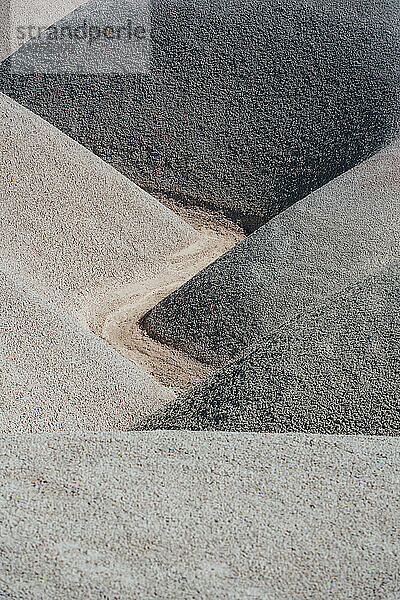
{"type": "Point", "coordinates": [21, 20]}
{"type": "Point", "coordinates": [72, 226]}
{"type": "Point", "coordinates": [92, 242]}
{"type": "Point", "coordinates": [54, 375]}
{"type": "Point", "coordinates": [179, 516]}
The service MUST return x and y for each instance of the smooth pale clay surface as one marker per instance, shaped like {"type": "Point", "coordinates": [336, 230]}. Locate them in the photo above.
{"type": "Point", "coordinates": [56, 376]}
{"type": "Point", "coordinates": [245, 107]}
{"type": "Point", "coordinates": [38, 14]}
{"type": "Point", "coordinates": [73, 228]}
{"type": "Point", "coordinates": [338, 235]}
{"type": "Point", "coordinates": [173, 516]}
{"type": "Point", "coordinates": [335, 370]}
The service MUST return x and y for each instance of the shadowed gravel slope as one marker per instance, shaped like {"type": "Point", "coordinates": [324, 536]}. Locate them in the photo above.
{"type": "Point", "coordinates": [245, 107]}
{"type": "Point", "coordinates": [336, 236]}
{"type": "Point", "coordinates": [336, 370]}
{"type": "Point", "coordinates": [56, 376]}
{"type": "Point", "coordinates": [181, 515]}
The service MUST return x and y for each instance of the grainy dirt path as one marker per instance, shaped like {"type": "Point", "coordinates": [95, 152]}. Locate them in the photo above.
{"type": "Point", "coordinates": [119, 325]}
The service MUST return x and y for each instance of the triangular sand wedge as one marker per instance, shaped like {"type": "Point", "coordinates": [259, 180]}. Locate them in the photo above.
{"type": "Point", "coordinates": [70, 224]}
{"type": "Point", "coordinates": [55, 376]}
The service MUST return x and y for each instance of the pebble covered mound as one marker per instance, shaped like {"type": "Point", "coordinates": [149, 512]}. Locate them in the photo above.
{"type": "Point", "coordinates": [336, 236]}
{"type": "Point", "coordinates": [242, 107]}
{"type": "Point", "coordinates": [333, 371]}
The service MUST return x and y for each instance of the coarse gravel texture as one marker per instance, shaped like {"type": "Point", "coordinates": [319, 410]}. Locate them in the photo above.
{"type": "Point", "coordinates": [56, 376]}
{"type": "Point", "coordinates": [242, 107]}
{"type": "Point", "coordinates": [178, 516]}
{"type": "Point", "coordinates": [335, 370]}
{"type": "Point", "coordinates": [21, 20]}
{"type": "Point", "coordinates": [71, 226]}
{"type": "Point", "coordinates": [338, 235]}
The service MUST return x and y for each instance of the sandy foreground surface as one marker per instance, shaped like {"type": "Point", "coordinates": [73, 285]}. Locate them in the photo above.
{"type": "Point", "coordinates": [179, 515]}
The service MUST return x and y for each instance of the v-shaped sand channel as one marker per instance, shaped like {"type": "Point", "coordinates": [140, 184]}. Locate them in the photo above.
{"type": "Point", "coordinates": [116, 318]}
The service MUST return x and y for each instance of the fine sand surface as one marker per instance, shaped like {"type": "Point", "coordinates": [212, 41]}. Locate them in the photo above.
{"type": "Point", "coordinates": [335, 370]}
{"type": "Point", "coordinates": [104, 251]}
{"type": "Point", "coordinates": [71, 225]}
{"type": "Point", "coordinates": [21, 20]}
{"type": "Point", "coordinates": [244, 107]}
{"type": "Point", "coordinates": [338, 235]}
{"type": "Point", "coordinates": [173, 516]}
{"type": "Point", "coordinates": [56, 376]}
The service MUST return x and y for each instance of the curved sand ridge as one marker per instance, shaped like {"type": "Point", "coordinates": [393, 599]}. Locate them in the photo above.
{"type": "Point", "coordinates": [56, 376]}
{"type": "Point", "coordinates": [244, 107]}
{"type": "Point", "coordinates": [120, 327]}
{"type": "Point", "coordinates": [183, 515]}
{"type": "Point", "coordinates": [336, 236]}
{"type": "Point", "coordinates": [335, 370]}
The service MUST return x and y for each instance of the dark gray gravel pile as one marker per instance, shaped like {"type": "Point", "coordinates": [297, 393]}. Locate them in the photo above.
{"type": "Point", "coordinates": [245, 108]}
{"type": "Point", "coordinates": [336, 236]}
{"type": "Point", "coordinates": [336, 370]}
